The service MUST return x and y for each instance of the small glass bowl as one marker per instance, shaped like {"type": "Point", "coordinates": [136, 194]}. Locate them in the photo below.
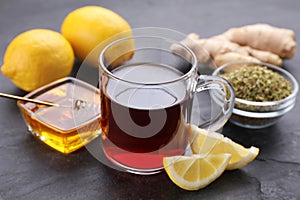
{"type": "Point", "coordinates": [69, 126]}
{"type": "Point", "coordinates": [252, 114]}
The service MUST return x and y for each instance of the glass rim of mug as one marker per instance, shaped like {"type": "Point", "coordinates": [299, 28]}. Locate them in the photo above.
{"type": "Point", "coordinates": [182, 77]}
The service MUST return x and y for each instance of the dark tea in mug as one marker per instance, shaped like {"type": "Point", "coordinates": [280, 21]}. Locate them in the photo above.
{"type": "Point", "coordinates": [142, 123]}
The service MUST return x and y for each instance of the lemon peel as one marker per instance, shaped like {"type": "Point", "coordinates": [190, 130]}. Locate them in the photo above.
{"type": "Point", "coordinates": [196, 171]}
{"type": "Point", "coordinates": [204, 142]}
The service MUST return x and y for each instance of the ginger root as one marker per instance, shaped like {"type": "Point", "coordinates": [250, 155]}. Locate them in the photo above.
{"type": "Point", "coordinates": [259, 42]}
{"type": "Point", "coordinates": [265, 37]}
{"type": "Point", "coordinates": [222, 59]}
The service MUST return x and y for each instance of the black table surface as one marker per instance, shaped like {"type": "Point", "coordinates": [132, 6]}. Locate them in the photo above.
{"type": "Point", "coordinates": [31, 170]}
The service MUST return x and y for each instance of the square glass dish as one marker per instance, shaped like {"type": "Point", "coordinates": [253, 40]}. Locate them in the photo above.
{"type": "Point", "coordinates": [70, 125]}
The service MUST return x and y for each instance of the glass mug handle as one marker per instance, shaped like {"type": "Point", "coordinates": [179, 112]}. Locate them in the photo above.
{"type": "Point", "coordinates": [224, 98]}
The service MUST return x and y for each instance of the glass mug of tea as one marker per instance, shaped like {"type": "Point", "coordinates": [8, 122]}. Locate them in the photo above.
{"type": "Point", "coordinates": [146, 89]}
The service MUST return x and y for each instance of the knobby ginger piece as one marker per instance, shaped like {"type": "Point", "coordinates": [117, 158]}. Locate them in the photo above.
{"type": "Point", "coordinates": [265, 37]}
{"type": "Point", "coordinates": [191, 41]}
{"type": "Point", "coordinates": [219, 45]}
{"type": "Point", "coordinates": [222, 59]}
{"type": "Point", "coordinates": [265, 56]}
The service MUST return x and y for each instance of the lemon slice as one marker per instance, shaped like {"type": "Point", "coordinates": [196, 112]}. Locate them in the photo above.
{"type": "Point", "coordinates": [204, 142]}
{"type": "Point", "coordinates": [196, 171]}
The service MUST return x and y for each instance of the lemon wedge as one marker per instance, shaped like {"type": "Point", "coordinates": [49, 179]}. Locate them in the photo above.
{"type": "Point", "coordinates": [204, 142]}
{"type": "Point", "coordinates": [196, 171]}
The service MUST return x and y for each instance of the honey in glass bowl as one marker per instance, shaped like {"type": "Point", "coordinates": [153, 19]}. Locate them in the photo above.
{"type": "Point", "coordinates": [55, 125]}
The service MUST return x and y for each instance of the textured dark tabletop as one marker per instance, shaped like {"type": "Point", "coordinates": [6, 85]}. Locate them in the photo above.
{"type": "Point", "coordinates": [30, 170]}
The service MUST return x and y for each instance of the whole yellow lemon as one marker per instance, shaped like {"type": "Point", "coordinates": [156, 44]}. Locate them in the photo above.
{"type": "Point", "coordinates": [37, 57]}
{"type": "Point", "coordinates": [87, 27]}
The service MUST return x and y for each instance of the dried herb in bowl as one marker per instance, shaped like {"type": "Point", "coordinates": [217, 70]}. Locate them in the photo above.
{"type": "Point", "coordinates": [258, 83]}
